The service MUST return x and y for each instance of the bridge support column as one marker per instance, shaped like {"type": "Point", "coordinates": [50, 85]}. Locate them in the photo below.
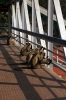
{"type": "Point", "coordinates": [18, 23]}
{"type": "Point", "coordinates": [50, 28]}
{"type": "Point", "coordinates": [27, 17]}
{"type": "Point", "coordinates": [9, 24]}
{"type": "Point", "coordinates": [23, 23]}
{"type": "Point", "coordinates": [33, 24]}
{"type": "Point", "coordinates": [13, 21]}
{"type": "Point", "coordinates": [39, 21]}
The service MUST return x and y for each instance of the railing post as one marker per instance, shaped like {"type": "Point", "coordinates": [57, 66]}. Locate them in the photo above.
{"type": "Point", "coordinates": [19, 20]}
{"type": "Point", "coordinates": [17, 23]}
{"type": "Point", "coordinates": [23, 22]}
{"type": "Point", "coordinates": [57, 55]}
{"type": "Point", "coordinates": [50, 28]}
{"type": "Point", "coordinates": [9, 24]}
{"type": "Point", "coordinates": [33, 24]}
{"type": "Point", "coordinates": [27, 18]}
{"type": "Point", "coordinates": [39, 22]}
{"type": "Point", "coordinates": [13, 21]}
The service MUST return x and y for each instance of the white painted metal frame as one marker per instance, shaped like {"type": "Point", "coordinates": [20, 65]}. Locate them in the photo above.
{"type": "Point", "coordinates": [34, 40]}
{"type": "Point", "coordinates": [18, 22]}
{"type": "Point", "coordinates": [23, 22]}
{"type": "Point", "coordinates": [27, 18]}
{"type": "Point", "coordinates": [9, 23]}
{"type": "Point", "coordinates": [60, 21]}
{"type": "Point", "coordinates": [50, 28]}
{"type": "Point", "coordinates": [39, 21]}
{"type": "Point", "coordinates": [13, 18]}
{"type": "Point", "coordinates": [13, 21]}
{"type": "Point", "coordinates": [44, 11]}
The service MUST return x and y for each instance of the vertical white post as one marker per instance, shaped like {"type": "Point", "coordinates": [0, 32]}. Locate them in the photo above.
{"type": "Point", "coordinates": [50, 28]}
{"type": "Point", "coordinates": [33, 24]}
{"type": "Point", "coordinates": [9, 33]}
{"type": "Point", "coordinates": [18, 22]}
{"type": "Point", "coordinates": [17, 25]}
{"type": "Point", "coordinates": [27, 18]}
{"type": "Point", "coordinates": [23, 23]}
{"type": "Point", "coordinates": [39, 21]}
{"type": "Point", "coordinates": [13, 20]}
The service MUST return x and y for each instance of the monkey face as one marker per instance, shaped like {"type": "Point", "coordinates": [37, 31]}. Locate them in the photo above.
{"type": "Point", "coordinates": [28, 44]}
{"type": "Point", "coordinates": [25, 49]}
{"type": "Point", "coordinates": [46, 61]}
{"type": "Point", "coordinates": [42, 54]}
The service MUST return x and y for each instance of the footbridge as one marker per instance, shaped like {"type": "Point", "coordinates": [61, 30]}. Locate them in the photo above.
{"type": "Point", "coordinates": [26, 24]}
{"type": "Point", "coordinates": [21, 20]}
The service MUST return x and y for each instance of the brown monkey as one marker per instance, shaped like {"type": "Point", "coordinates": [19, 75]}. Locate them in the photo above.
{"type": "Point", "coordinates": [10, 40]}
{"type": "Point", "coordinates": [31, 54]}
{"type": "Point", "coordinates": [25, 49]}
{"type": "Point", "coordinates": [37, 59]}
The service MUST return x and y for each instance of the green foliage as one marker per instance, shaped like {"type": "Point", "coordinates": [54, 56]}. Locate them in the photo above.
{"type": "Point", "coordinates": [3, 21]}
{"type": "Point", "coordinates": [43, 3]}
{"type": "Point", "coordinates": [3, 18]}
{"type": "Point", "coordinates": [63, 7]}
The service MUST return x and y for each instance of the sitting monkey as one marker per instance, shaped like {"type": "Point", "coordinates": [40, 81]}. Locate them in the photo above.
{"type": "Point", "coordinates": [10, 40]}
{"type": "Point", "coordinates": [37, 59]}
{"type": "Point", "coordinates": [25, 49]}
{"type": "Point", "coordinates": [31, 54]}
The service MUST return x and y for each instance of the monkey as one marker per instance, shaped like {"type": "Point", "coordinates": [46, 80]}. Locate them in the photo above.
{"type": "Point", "coordinates": [37, 59]}
{"type": "Point", "coordinates": [31, 54]}
{"type": "Point", "coordinates": [10, 40]}
{"type": "Point", "coordinates": [25, 49]}
{"type": "Point", "coordinates": [46, 61]}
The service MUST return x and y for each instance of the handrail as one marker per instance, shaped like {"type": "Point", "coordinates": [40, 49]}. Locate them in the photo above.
{"type": "Point", "coordinates": [48, 38]}
{"type": "Point", "coordinates": [39, 46]}
{"type": "Point", "coordinates": [43, 36]}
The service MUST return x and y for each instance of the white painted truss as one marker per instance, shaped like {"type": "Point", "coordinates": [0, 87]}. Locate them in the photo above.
{"type": "Point", "coordinates": [20, 19]}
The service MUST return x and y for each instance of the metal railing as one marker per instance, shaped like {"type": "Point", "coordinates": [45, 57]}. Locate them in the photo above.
{"type": "Point", "coordinates": [48, 39]}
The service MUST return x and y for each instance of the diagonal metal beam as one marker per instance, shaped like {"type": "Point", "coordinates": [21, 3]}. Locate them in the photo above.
{"type": "Point", "coordinates": [60, 21]}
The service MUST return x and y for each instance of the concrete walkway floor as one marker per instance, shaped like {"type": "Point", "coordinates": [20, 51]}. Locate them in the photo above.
{"type": "Point", "coordinates": [17, 82]}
